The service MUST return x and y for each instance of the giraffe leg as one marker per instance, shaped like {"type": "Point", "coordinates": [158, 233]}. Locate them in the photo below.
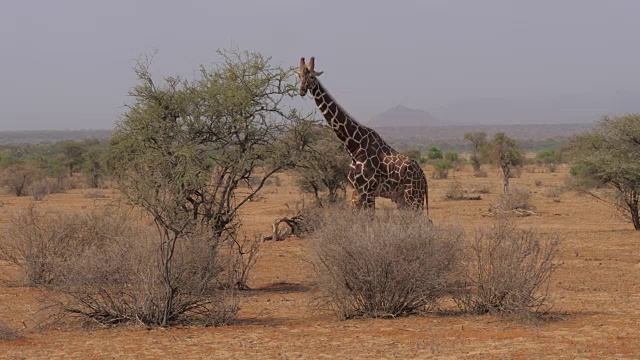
{"type": "Point", "coordinates": [355, 202]}
{"type": "Point", "coordinates": [415, 199]}
{"type": "Point", "coordinates": [363, 199]}
{"type": "Point", "coordinates": [400, 200]}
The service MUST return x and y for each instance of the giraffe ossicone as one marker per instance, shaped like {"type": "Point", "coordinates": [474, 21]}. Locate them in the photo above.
{"type": "Point", "coordinates": [376, 168]}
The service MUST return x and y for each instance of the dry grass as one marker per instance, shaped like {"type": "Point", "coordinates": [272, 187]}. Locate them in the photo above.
{"type": "Point", "coordinates": [39, 189]}
{"type": "Point", "coordinates": [518, 198]}
{"type": "Point", "coordinates": [95, 194]}
{"type": "Point", "coordinates": [454, 191]}
{"type": "Point", "coordinates": [38, 241]}
{"type": "Point", "coordinates": [554, 192]}
{"type": "Point", "coordinates": [594, 293]}
{"type": "Point", "coordinates": [481, 189]}
{"type": "Point", "coordinates": [106, 266]}
{"type": "Point", "coordinates": [508, 270]}
{"type": "Point", "coordinates": [480, 174]}
{"type": "Point", "coordinates": [388, 266]}
{"type": "Point", "coordinates": [8, 334]}
{"type": "Point", "coordinates": [122, 282]}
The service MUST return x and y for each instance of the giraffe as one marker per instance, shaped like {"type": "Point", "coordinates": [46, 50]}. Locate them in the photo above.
{"type": "Point", "coordinates": [376, 168]}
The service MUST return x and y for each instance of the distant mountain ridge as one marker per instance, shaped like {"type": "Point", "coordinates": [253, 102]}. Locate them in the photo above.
{"type": "Point", "coordinates": [22, 137]}
{"type": "Point", "coordinates": [401, 115]}
{"type": "Point", "coordinates": [533, 109]}
{"type": "Point", "coordinates": [516, 131]}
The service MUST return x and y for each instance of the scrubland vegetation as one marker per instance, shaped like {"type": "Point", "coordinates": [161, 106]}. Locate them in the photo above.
{"type": "Point", "coordinates": [191, 160]}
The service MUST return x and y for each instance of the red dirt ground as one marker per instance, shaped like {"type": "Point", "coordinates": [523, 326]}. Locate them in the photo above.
{"type": "Point", "coordinates": [596, 296]}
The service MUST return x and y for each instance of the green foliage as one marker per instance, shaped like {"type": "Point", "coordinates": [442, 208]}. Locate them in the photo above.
{"type": "Point", "coordinates": [434, 153]}
{"type": "Point", "coordinates": [548, 156]}
{"type": "Point", "coordinates": [413, 154]}
{"type": "Point", "coordinates": [609, 157]}
{"type": "Point", "coordinates": [443, 165]}
{"type": "Point", "coordinates": [94, 165]}
{"type": "Point", "coordinates": [478, 142]}
{"type": "Point", "coordinates": [184, 147]}
{"type": "Point", "coordinates": [505, 152]}
{"type": "Point", "coordinates": [18, 178]}
{"type": "Point", "coordinates": [325, 165]}
{"type": "Point", "coordinates": [442, 168]}
{"type": "Point", "coordinates": [583, 170]}
{"type": "Point", "coordinates": [72, 152]}
{"type": "Point", "coordinates": [451, 156]}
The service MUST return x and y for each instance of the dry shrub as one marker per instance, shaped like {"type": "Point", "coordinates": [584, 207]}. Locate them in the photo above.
{"type": "Point", "coordinates": [105, 265]}
{"type": "Point", "coordinates": [123, 282]}
{"type": "Point", "coordinates": [515, 172]}
{"type": "Point", "coordinates": [39, 189]}
{"type": "Point", "coordinates": [516, 199]}
{"type": "Point", "coordinates": [75, 182]}
{"type": "Point", "coordinates": [454, 191]}
{"type": "Point", "coordinates": [481, 189]}
{"type": "Point", "coordinates": [314, 216]}
{"type": "Point", "coordinates": [243, 256]}
{"type": "Point", "coordinates": [277, 181]}
{"type": "Point", "coordinates": [18, 178]}
{"type": "Point", "coordinates": [95, 194]}
{"type": "Point", "coordinates": [38, 241]}
{"type": "Point", "coordinates": [8, 334]}
{"type": "Point", "coordinates": [538, 183]}
{"type": "Point", "coordinates": [554, 192]}
{"type": "Point", "coordinates": [507, 271]}
{"type": "Point", "coordinates": [56, 185]}
{"type": "Point", "coordinates": [440, 174]}
{"type": "Point", "coordinates": [480, 174]}
{"type": "Point", "coordinates": [390, 265]}
{"type": "Point", "coordinates": [551, 167]}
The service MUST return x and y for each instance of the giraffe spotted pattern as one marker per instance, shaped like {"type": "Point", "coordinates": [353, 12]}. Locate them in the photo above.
{"type": "Point", "coordinates": [376, 168]}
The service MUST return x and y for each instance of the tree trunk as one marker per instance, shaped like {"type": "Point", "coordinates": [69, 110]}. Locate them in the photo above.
{"type": "Point", "coordinates": [506, 170]}
{"type": "Point", "coordinates": [316, 193]}
{"type": "Point", "coordinates": [635, 216]}
{"type": "Point", "coordinates": [475, 162]}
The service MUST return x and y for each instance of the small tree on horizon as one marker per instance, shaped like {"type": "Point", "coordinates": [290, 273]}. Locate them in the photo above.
{"type": "Point", "coordinates": [478, 142]}
{"type": "Point", "coordinates": [413, 154]}
{"type": "Point", "coordinates": [505, 152]}
{"type": "Point", "coordinates": [434, 153]}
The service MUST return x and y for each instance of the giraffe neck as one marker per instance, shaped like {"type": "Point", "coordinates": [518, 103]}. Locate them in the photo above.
{"type": "Point", "coordinates": [349, 131]}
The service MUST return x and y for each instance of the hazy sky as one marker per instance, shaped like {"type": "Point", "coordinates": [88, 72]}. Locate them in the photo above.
{"type": "Point", "coordinates": [67, 64]}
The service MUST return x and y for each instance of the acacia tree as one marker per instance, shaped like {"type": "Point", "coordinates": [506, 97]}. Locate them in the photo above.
{"type": "Point", "coordinates": [184, 146]}
{"type": "Point", "coordinates": [608, 158]}
{"type": "Point", "coordinates": [478, 141]}
{"type": "Point", "coordinates": [505, 152]}
{"type": "Point", "coordinates": [73, 152]}
{"type": "Point", "coordinates": [94, 165]}
{"type": "Point", "coordinates": [325, 165]}
{"type": "Point", "coordinates": [18, 178]}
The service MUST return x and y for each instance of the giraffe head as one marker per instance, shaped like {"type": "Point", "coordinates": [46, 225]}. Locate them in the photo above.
{"type": "Point", "coordinates": [307, 75]}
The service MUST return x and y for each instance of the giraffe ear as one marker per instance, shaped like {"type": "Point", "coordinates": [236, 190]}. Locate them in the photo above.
{"type": "Point", "coordinates": [318, 73]}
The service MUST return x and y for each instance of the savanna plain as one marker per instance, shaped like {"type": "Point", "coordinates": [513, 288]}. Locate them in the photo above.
{"type": "Point", "coordinates": [594, 294]}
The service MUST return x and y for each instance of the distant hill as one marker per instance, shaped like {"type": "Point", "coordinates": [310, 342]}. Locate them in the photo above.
{"type": "Point", "coordinates": [50, 136]}
{"type": "Point", "coordinates": [403, 116]}
{"type": "Point", "coordinates": [541, 109]}
{"type": "Point", "coordinates": [516, 131]}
